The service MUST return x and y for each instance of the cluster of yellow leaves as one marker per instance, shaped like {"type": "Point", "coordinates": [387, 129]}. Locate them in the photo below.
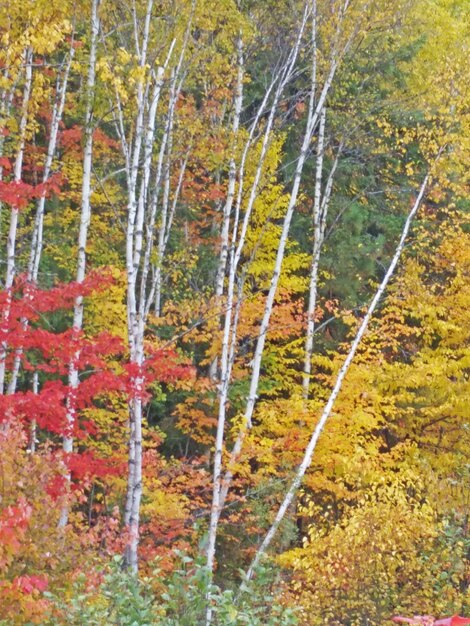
{"type": "Point", "coordinates": [390, 469]}
{"type": "Point", "coordinates": [381, 557]}
{"type": "Point", "coordinates": [262, 239]}
{"type": "Point", "coordinates": [106, 310]}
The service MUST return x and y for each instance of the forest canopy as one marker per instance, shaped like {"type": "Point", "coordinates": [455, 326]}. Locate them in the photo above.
{"type": "Point", "coordinates": [234, 311]}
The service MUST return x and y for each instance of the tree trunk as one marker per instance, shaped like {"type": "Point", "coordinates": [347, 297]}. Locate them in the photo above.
{"type": "Point", "coordinates": [37, 238]}
{"type": "Point", "coordinates": [312, 120]}
{"type": "Point", "coordinates": [11, 241]}
{"type": "Point", "coordinates": [307, 459]}
{"type": "Point", "coordinates": [217, 495]}
{"type": "Point", "coordinates": [85, 215]}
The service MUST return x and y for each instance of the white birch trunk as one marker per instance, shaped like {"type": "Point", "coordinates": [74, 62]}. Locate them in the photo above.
{"type": "Point", "coordinates": [319, 237]}
{"type": "Point", "coordinates": [14, 213]}
{"type": "Point", "coordinates": [57, 113]}
{"type": "Point", "coordinates": [237, 241]}
{"type": "Point", "coordinates": [32, 441]}
{"type": "Point", "coordinates": [307, 459]}
{"type": "Point", "coordinates": [134, 491]}
{"type": "Point", "coordinates": [37, 238]}
{"type": "Point", "coordinates": [312, 120]}
{"type": "Point", "coordinates": [17, 172]}
{"type": "Point", "coordinates": [163, 172]}
{"type": "Point", "coordinates": [232, 179]}
{"type": "Point", "coordinates": [137, 301]}
{"type": "Point", "coordinates": [217, 495]}
{"type": "Point", "coordinates": [85, 215]}
{"type": "Point", "coordinates": [317, 242]}
{"type": "Point", "coordinates": [315, 108]}
{"type": "Point", "coordinates": [5, 108]}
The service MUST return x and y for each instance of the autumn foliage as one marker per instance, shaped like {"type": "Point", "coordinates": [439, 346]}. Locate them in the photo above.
{"type": "Point", "coordinates": [198, 203]}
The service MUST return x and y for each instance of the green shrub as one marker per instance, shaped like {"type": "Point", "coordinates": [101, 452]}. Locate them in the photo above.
{"type": "Point", "coordinates": [122, 599]}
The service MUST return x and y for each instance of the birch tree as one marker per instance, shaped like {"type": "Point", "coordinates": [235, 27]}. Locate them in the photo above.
{"type": "Point", "coordinates": [238, 241]}
{"type": "Point", "coordinates": [38, 227]}
{"type": "Point", "coordinates": [321, 202]}
{"type": "Point", "coordinates": [232, 180]}
{"type": "Point", "coordinates": [14, 213]}
{"type": "Point", "coordinates": [28, 31]}
{"type": "Point", "coordinates": [133, 250]}
{"type": "Point", "coordinates": [315, 107]}
{"type": "Point", "coordinates": [308, 455]}
{"type": "Point", "coordinates": [85, 215]}
{"type": "Point", "coordinates": [144, 199]}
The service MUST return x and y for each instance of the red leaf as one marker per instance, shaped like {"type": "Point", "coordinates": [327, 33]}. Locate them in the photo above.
{"type": "Point", "coordinates": [5, 163]}
{"type": "Point", "coordinates": [28, 584]}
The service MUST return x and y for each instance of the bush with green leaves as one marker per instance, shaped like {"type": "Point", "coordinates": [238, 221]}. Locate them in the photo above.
{"type": "Point", "coordinates": [125, 600]}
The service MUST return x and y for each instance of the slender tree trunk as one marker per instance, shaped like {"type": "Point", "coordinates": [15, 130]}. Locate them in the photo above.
{"type": "Point", "coordinates": [85, 215]}
{"type": "Point", "coordinates": [236, 256]}
{"type": "Point", "coordinates": [319, 236]}
{"type": "Point", "coordinates": [14, 213]}
{"type": "Point", "coordinates": [317, 242]}
{"type": "Point", "coordinates": [137, 300]}
{"type": "Point", "coordinates": [141, 301]}
{"type": "Point", "coordinates": [18, 168]}
{"type": "Point", "coordinates": [5, 108]}
{"type": "Point", "coordinates": [33, 429]}
{"type": "Point", "coordinates": [232, 176]}
{"type": "Point", "coordinates": [217, 495]}
{"type": "Point", "coordinates": [314, 112]}
{"type": "Point", "coordinates": [37, 238]}
{"type": "Point", "coordinates": [134, 493]}
{"type": "Point", "coordinates": [307, 459]}
{"type": "Point", "coordinates": [232, 179]}
{"type": "Point", "coordinates": [163, 173]}
{"type": "Point", "coordinates": [57, 113]}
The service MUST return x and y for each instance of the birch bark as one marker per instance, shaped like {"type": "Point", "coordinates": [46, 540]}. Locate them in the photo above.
{"type": "Point", "coordinates": [307, 459]}
{"type": "Point", "coordinates": [57, 113]}
{"type": "Point", "coordinates": [317, 219]}
{"type": "Point", "coordinates": [217, 496]}
{"type": "Point", "coordinates": [320, 212]}
{"type": "Point", "coordinates": [232, 175]}
{"type": "Point", "coordinates": [5, 108]}
{"type": "Point", "coordinates": [163, 173]}
{"type": "Point", "coordinates": [229, 327]}
{"type": "Point", "coordinates": [232, 180]}
{"type": "Point", "coordinates": [314, 111]}
{"type": "Point", "coordinates": [85, 215]}
{"type": "Point", "coordinates": [135, 323]}
{"type": "Point", "coordinates": [141, 223]}
{"type": "Point", "coordinates": [14, 213]}
{"type": "Point", "coordinates": [37, 237]}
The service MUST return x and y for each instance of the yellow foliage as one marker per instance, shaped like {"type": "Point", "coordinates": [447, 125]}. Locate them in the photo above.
{"type": "Point", "coordinates": [380, 558]}
{"type": "Point", "coordinates": [262, 239]}
{"type": "Point", "coordinates": [106, 309]}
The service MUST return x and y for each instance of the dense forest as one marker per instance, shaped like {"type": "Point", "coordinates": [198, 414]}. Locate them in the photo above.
{"type": "Point", "coordinates": [235, 311]}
